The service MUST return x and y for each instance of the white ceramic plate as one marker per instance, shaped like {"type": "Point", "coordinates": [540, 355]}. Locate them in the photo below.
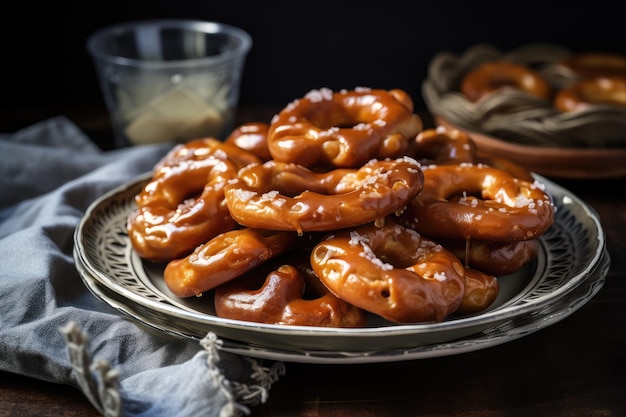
{"type": "Point", "coordinates": [570, 254]}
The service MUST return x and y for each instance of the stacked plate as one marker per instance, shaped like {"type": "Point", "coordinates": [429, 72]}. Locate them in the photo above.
{"type": "Point", "coordinates": [570, 269]}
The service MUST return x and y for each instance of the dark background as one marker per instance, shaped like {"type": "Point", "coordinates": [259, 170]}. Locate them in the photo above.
{"type": "Point", "coordinates": [298, 46]}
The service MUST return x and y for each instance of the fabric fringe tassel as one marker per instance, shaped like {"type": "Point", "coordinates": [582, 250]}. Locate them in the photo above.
{"type": "Point", "coordinates": [102, 390]}
{"type": "Point", "coordinates": [100, 384]}
{"type": "Point", "coordinates": [240, 394]}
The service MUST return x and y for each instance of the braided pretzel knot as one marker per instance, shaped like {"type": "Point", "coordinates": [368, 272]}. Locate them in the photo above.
{"type": "Point", "coordinates": [446, 145]}
{"type": "Point", "coordinates": [443, 146]}
{"type": "Point", "coordinates": [506, 208]}
{"type": "Point", "coordinates": [223, 258]}
{"type": "Point", "coordinates": [183, 204]}
{"type": "Point", "coordinates": [391, 271]}
{"type": "Point", "coordinates": [590, 92]}
{"type": "Point", "coordinates": [283, 296]}
{"type": "Point", "coordinates": [494, 76]}
{"type": "Point", "coordinates": [343, 129]}
{"type": "Point", "coordinates": [252, 137]}
{"type": "Point", "coordinates": [282, 196]}
{"type": "Point", "coordinates": [493, 257]}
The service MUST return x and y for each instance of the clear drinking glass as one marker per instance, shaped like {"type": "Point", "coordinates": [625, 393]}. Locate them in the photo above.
{"type": "Point", "coordinates": [170, 80]}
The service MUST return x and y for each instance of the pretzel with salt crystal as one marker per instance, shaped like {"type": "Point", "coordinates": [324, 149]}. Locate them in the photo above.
{"type": "Point", "coordinates": [478, 202]}
{"type": "Point", "coordinates": [343, 129]}
{"type": "Point", "coordinates": [183, 203]}
{"type": "Point", "coordinates": [391, 271]}
{"type": "Point", "coordinates": [283, 196]}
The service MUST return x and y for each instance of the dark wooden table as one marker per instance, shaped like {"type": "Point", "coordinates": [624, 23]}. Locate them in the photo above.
{"type": "Point", "coordinates": [572, 368]}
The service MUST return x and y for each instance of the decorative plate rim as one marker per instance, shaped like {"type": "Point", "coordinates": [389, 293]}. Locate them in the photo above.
{"type": "Point", "coordinates": [497, 335]}
{"type": "Point", "coordinates": [112, 238]}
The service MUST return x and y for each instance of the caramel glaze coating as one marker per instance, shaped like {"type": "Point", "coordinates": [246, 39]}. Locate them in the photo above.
{"type": "Point", "coordinates": [442, 146]}
{"type": "Point", "coordinates": [478, 202]}
{"type": "Point", "coordinates": [224, 258]}
{"type": "Point", "coordinates": [251, 137]}
{"type": "Point", "coordinates": [391, 271]}
{"type": "Point", "coordinates": [343, 129]}
{"type": "Point", "coordinates": [495, 258]}
{"type": "Point", "coordinates": [504, 164]}
{"type": "Point", "coordinates": [493, 76]}
{"type": "Point", "coordinates": [184, 155]}
{"type": "Point", "coordinates": [283, 295]}
{"type": "Point", "coordinates": [586, 93]}
{"type": "Point", "coordinates": [183, 204]}
{"type": "Point", "coordinates": [282, 196]}
{"type": "Point", "coordinates": [383, 208]}
{"type": "Point", "coordinates": [595, 64]}
{"type": "Point", "coordinates": [481, 290]}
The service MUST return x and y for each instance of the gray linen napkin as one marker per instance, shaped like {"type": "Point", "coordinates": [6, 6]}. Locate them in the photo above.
{"type": "Point", "coordinates": [52, 328]}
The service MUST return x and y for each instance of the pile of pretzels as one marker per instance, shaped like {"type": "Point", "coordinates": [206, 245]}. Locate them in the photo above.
{"type": "Point", "coordinates": [341, 207]}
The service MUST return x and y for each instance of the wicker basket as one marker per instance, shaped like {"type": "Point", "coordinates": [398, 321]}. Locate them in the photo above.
{"type": "Point", "coordinates": [515, 116]}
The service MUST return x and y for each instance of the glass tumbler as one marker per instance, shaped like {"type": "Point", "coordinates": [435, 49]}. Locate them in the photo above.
{"type": "Point", "coordinates": [170, 80]}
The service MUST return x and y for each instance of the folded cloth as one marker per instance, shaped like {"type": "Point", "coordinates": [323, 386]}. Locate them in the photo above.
{"type": "Point", "coordinates": [52, 328]}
